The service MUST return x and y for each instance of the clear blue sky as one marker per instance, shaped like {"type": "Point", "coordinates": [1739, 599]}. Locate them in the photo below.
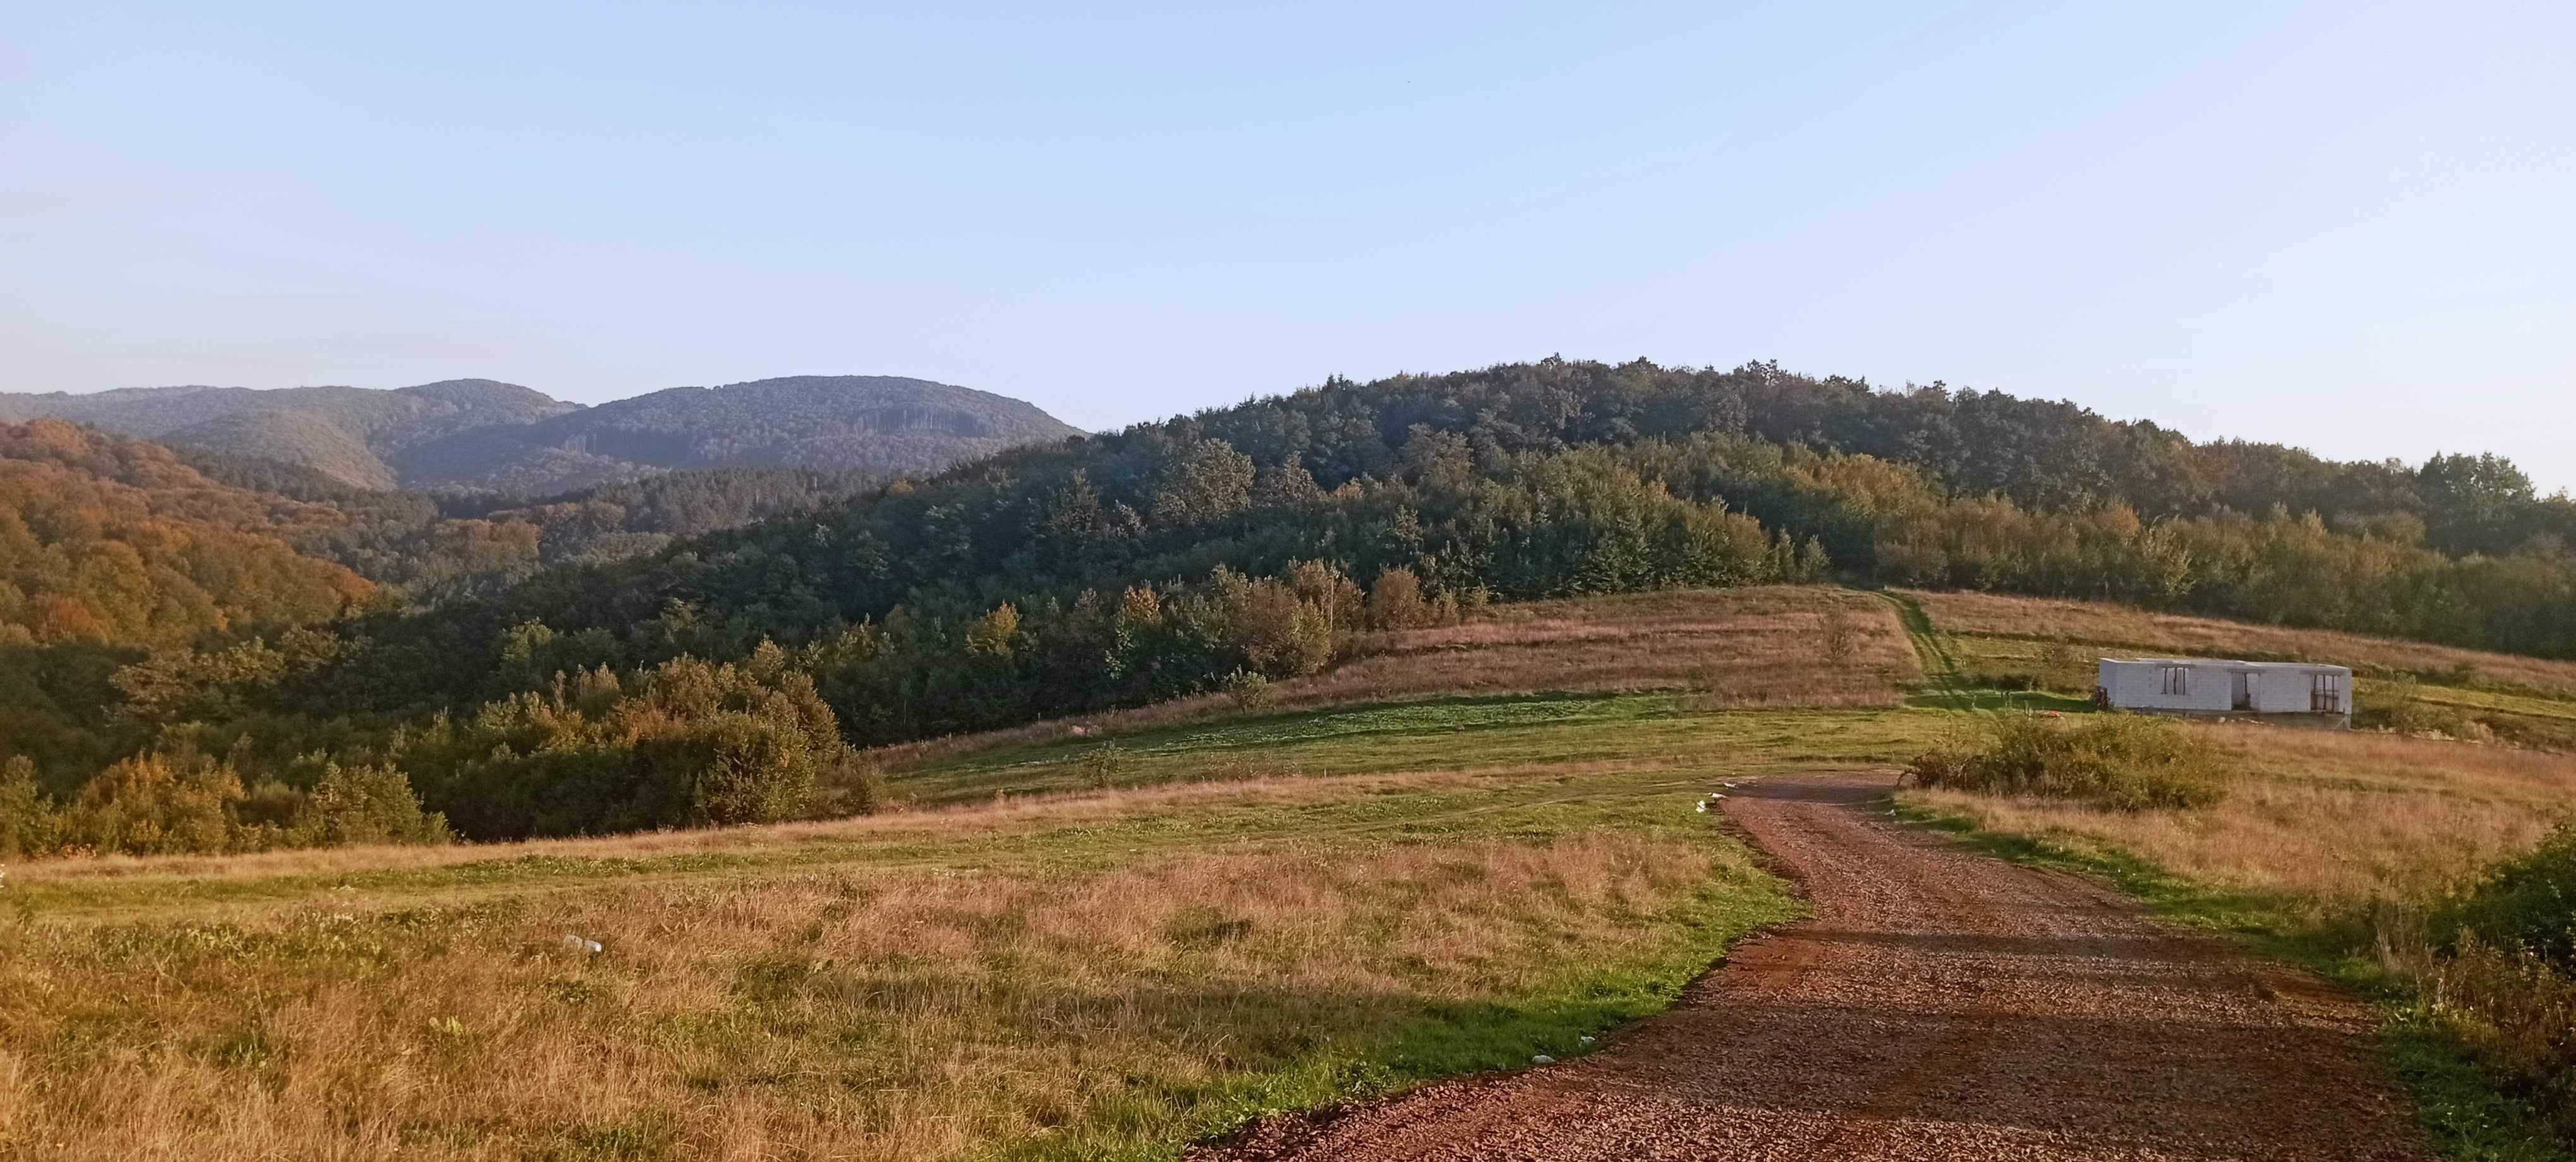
{"type": "Point", "coordinates": [2346, 226]}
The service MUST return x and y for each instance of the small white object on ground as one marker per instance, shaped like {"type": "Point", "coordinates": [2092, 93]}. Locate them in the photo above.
{"type": "Point", "coordinates": [1542, 1059]}
{"type": "Point", "coordinates": [1701, 807]}
{"type": "Point", "coordinates": [1587, 1039]}
{"type": "Point", "coordinates": [577, 944]}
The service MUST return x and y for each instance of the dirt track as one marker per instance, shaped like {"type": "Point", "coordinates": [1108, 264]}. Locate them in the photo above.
{"type": "Point", "coordinates": [1940, 1005]}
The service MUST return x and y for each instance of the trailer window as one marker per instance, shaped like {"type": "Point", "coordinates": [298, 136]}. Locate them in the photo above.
{"type": "Point", "coordinates": [2177, 680]}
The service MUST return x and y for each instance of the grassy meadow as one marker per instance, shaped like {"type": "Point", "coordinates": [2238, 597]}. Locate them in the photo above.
{"type": "Point", "coordinates": [1756, 647]}
{"type": "Point", "coordinates": [1107, 937]}
{"type": "Point", "coordinates": [2050, 647]}
{"type": "Point", "coordinates": [1075, 947]}
{"type": "Point", "coordinates": [1104, 980]}
{"type": "Point", "coordinates": [2355, 851]}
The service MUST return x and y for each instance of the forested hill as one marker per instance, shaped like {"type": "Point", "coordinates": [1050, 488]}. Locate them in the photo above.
{"type": "Point", "coordinates": [864, 423]}
{"type": "Point", "coordinates": [435, 546]}
{"type": "Point", "coordinates": [115, 551]}
{"type": "Point", "coordinates": [107, 541]}
{"type": "Point", "coordinates": [722, 678]}
{"type": "Point", "coordinates": [1538, 479]}
{"type": "Point", "coordinates": [350, 433]}
{"type": "Point", "coordinates": [484, 435]}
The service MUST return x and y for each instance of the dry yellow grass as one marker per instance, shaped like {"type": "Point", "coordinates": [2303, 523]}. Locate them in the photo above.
{"type": "Point", "coordinates": [2334, 824]}
{"type": "Point", "coordinates": [882, 1013]}
{"type": "Point", "coordinates": [1015, 817]}
{"type": "Point", "coordinates": [1740, 647]}
{"type": "Point", "coordinates": [1971, 614]}
{"type": "Point", "coordinates": [828, 1016]}
{"type": "Point", "coordinates": [1751, 647]}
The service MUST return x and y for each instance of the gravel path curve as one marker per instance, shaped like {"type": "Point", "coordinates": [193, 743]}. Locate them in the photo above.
{"type": "Point", "coordinates": [1940, 1004]}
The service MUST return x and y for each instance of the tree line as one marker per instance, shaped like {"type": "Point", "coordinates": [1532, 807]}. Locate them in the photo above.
{"type": "Point", "coordinates": [728, 676]}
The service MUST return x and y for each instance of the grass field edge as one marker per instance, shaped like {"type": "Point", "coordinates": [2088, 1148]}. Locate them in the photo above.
{"type": "Point", "coordinates": [2470, 1119]}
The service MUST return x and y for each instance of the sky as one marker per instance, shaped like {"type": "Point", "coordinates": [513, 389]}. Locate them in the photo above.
{"type": "Point", "coordinates": [2345, 226]}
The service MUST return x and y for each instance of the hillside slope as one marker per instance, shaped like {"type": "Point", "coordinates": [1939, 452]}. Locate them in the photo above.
{"type": "Point", "coordinates": [344, 431]}
{"type": "Point", "coordinates": [1270, 911]}
{"type": "Point", "coordinates": [871, 423]}
{"type": "Point", "coordinates": [110, 541]}
{"type": "Point", "coordinates": [482, 434]}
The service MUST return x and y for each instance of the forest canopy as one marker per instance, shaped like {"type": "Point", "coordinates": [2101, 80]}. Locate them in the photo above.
{"type": "Point", "coordinates": [627, 658]}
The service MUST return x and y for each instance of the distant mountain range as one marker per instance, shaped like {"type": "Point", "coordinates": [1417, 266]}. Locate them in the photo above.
{"type": "Point", "coordinates": [483, 434]}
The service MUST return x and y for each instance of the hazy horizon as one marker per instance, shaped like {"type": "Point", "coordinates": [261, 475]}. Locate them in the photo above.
{"type": "Point", "coordinates": [2545, 487]}
{"type": "Point", "coordinates": [2339, 229]}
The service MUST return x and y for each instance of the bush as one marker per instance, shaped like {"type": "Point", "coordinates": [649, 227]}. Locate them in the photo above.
{"type": "Point", "coordinates": [28, 820]}
{"type": "Point", "coordinates": [365, 804]}
{"type": "Point", "coordinates": [1396, 601]}
{"type": "Point", "coordinates": [1836, 637]}
{"type": "Point", "coordinates": [2528, 903]}
{"type": "Point", "coordinates": [2507, 988]}
{"type": "Point", "coordinates": [737, 768]}
{"type": "Point", "coordinates": [1105, 764]}
{"type": "Point", "coordinates": [2121, 762]}
{"type": "Point", "coordinates": [2513, 1012]}
{"type": "Point", "coordinates": [1250, 691]}
{"type": "Point", "coordinates": [862, 787]}
{"type": "Point", "coordinates": [157, 804]}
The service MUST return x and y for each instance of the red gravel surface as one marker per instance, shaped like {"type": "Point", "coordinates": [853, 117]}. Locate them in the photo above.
{"type": "Point", "coordinates": [1940, 1004]}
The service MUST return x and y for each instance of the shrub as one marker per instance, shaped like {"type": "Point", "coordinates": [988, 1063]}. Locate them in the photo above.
{"type": "Point", "coordinates": [157, 804]}
{"type": "Point", "coordinates": [1395, 601]}
{"type": "Point", "coordinates": [2513, 1013]}
{"type": "Point", "coordinates": [28, 820]}
{"type": "Point", "coordinates": [2121, 762]}
{"type": "Point", "coordinates": [863, 788]}
{"type": "Point", "coordinates": [2507, 988]}
{"type": "Point", "coordinates": [1836, 636]}
{"type": "Point", "coordinates": [735, 768]}
{"type": "Point", "coordinates": [1250, 691]}
{"type": "Point", "coordinates": [2528, 903]}
{"type": "Point", "coordinates": [365, 804]}
{"type": "Point", "coordinates": [1105, 764]}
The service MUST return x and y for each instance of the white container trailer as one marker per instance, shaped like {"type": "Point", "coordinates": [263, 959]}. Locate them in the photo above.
{"type": "Point", "coordinates": [2220, 688]}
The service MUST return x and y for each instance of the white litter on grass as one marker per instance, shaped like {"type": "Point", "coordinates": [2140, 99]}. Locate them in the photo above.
{"type": "Point", "coordinates": [1726, 784]}
{"type": "Point", "coordinates": [1701, 807]}
{"type": "Point", "coordinates": [1587, 1040]}
{"type": "Point", "coordinates": [1542, 1059]}
{"type": "Point", "coordinates": [574, 943]}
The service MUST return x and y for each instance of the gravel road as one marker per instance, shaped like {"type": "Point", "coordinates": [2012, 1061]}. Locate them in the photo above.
{"type": "Point", "coordinates": [1940, 1004]}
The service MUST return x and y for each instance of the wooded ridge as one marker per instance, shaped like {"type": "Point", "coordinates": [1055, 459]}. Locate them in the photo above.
{"type": "Point", "coordinates": [606, 661]}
